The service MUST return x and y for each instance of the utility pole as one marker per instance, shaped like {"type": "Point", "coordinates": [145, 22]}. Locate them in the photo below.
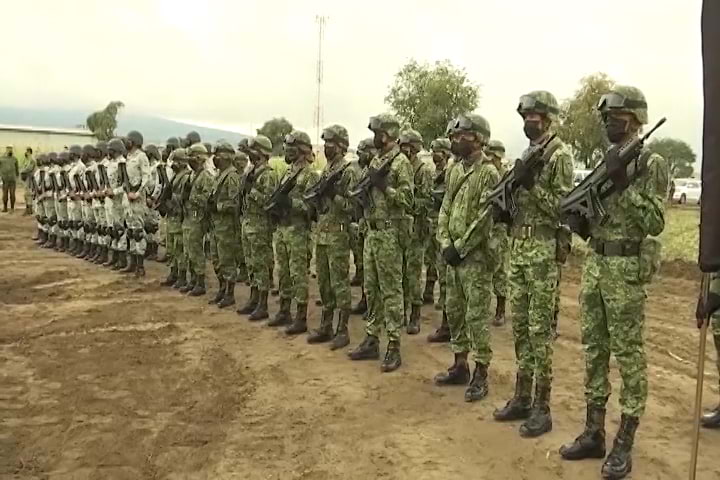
{"type": "Point", "coordinates": [320, 20]}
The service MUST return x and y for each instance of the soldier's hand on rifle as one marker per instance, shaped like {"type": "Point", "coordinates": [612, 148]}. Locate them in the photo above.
{"type": "Point", "coordinates": [524, 175]}
{"type": "Point", "coordinates": [378, 180]}
{"type": "Point", "coordinates": [132, 196]}
{"type": "Point", "coordinates": [284, 202]}
{"type": "Point", "coordinates": [706, 309]}
{"type": "Point", "coordinates": [451, 256]}
{"type": "Point", "coordinates": [579, 225]}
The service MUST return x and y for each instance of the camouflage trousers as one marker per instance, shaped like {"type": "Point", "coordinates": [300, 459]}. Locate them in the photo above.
{"type": "Point", "coordinates": [715, 327]}
{"type": "Point", "coordinates": [257, 246]}
{"type": "Point", "coordinates": [357, 240]}
{"type": "Point", "coordinates": [467, 305]}
{"type": "Point", "coordinates": [74, 208]}
{"type": "Point", "coordinates": [98, 207]}
{"type": "Point", "coordinates": [193, 231]}
{"type": "Point", "coordinates": [39, 209]}
{"type": "Point", "coordinates": [534, 280]}
{"type": "Point", "coordinates": [224, 233]}
{"type": "Point", "coordinates": [152, 222]}
{"type": "Point", "coordinates": [28, 195]}
{"type": "Point", "coordinates": [241, 274]}
{"type": "Point", "coordinates": [413, 263]}
{"type": "Point", "coordinates": [115, 212]}
{"type": "Point", "coordinates": [332, 263]}
{"type": "Point", "coordinates": [135, 212]}
{"type": "Point", "coordinates": [174, 243]}
{"type": "Point", "coordinates": [49, 209]}
{"type": "Point", "coordinates": [500, 278]}
{"type": "Point", "coordinates": [432, 250]}
{"type": "Point", "coordinates": [292, 245]}
{"type": "Point", "coordinates": [612, 303]}
{"type": "Point", "coordinates": [88, 216]}
{"type": "Point", "coordinates": [62, 216]}
{"type": "Point", "coordinates": [383, 264]}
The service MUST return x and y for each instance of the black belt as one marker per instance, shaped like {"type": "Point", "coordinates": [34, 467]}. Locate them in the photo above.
{"type": "Point", "coordinates": [616, 248]}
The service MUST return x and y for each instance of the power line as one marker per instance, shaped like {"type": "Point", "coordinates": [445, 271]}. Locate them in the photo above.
{"type": "Point", "coordinates": [320, 20]}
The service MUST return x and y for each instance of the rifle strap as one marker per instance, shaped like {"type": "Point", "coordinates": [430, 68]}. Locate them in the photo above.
{"type": "Point", "coordinates": [460, 184]}
{"type": "Point", "coordinates": [549, 152]}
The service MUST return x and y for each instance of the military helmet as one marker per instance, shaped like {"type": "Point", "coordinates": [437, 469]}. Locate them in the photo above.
{"type": "Point", "coordinates": [623, 98]}
{"type": "Point", "coordinates": [541, 102]}
{"type": "Point", "coordinates": [135, 137]}
{"type": "Point", "coordinates": [197, 148]}
{"type": "Point", "coordinates": [180, 155]}
{"type": "Point", "coordinates": [75, 150]}
{"type": "Point", "coordinates": [385, 122]}
{"type": "Point", "coordinates": [102, 146]}
{"type": "Point", "coordinates": [223, 146]}
{"type": "Point", "coordinates": [496, 147]}
{"type": "Point", "coordinates": [337, 134]}
{"type": "Point", "coordinates": [365, 145]}
{"type": "Point", "coordinates": [40, 159]}
{"type": "Point", "coordinates": [192, 137]}
{"type": "Point", "coordinates": [298, 137]}
{"type": "Point", "coordinates": [172, 142]}
{"type": "Point", "coordinates": [440, 145]}
{"type": "Point", "coordinates": [89, 150]}
{"type": "Point", "coordinates": [243, 144]}
{"type": "Point", "coordinates": [152, 151]}
{"type": "Point", "coordinates": [116, 145]}
{"type": "Point", "coordinates": [472, 122]}
{"type": "Point", "coordinates": [63, 157]}
{"type": "Point", "coordinates": [52, 157]}
{"type": "Point", "coordinates": [261, 143]}
{"type": "Point", "coordinates": [241, 158]}
{"type": "Point", "coordinates": [208, 147]}
{"type": "Point", "coordinates": [411, 137]}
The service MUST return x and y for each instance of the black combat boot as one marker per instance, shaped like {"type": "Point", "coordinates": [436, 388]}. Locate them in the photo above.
{"type": "Point", "coordinates": [478, 388]}
{"type": "Point", "coordinates": [457, 374]}
{"type": "Point", "coordinates": [229, 296]}
{"type": "Point", "coordinates": [260, 312]}
{"type": "Point", "coordinates": [131, 264]}
{"type": "Point", "coordinates": [140, 269]}
{"type": "Point", "coordinates": [60, 244]}
{"type": "Point", "coordinates": [171, 278]}
{"type": "Point", "coordinates": [50, 241]}
{"type": "Point", "coordinates": [220, 293]}
{"type": "Point", "coordinates": [111, 260]}
{"type": "Point", "coordinates": [361, 306]}
{"type": "Point", "coordinates": [369, 349]}
{"type": "Point", "coordinates": [518, 407]}
{"type": "Point", "coordinates": [342, 336]}
{"type": "Point", "coordinates": [87, 250]}
{"type": "Point", "coordinates": [413, 327]}
{"type": "Point", "coordinates": [357, 280]}
{"type": "Point", "coordinates": [199, 288]}
{"type": "Point", "coordinates": [283, 316]}
{"type": "Point", "coordinates": [325, 332]}
{"type": "Point", "coordinates": [591, 442]}
{"type": "Point", "coordinates": [429, 292]}
{"type": "Point", "coordinates": [122, 262]}
{"type": "Point", "coordinates": [619, 463]}
{"type": "Point", "coordinates": [104, 254]}
{"type": "Point", "coordinates": [499, 319]}
{"type": "Point", "coordinates": [190, 285]}
{"type": "Point", "coordinates": [70, 246]}
{"type": "Point", "coordinates": [392, 359]}
{"type": "Point", "coordinates": [442, 334]}
{"type": "Point", "coordinates": [299, 324]}
{"type": "Point", "coordinates": [251, 303]}
{"type": "Point", "coordinates": [181, 281]}
{"type": "Point", "coordinates": [151, 251]}
{"type": "Point", "coordinates": [540, 421]}
{"type": "Point", "coordinates": [711, 419]}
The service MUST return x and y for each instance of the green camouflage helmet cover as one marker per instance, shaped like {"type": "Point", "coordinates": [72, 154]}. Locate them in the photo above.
{"type": "Point", "coordinates": [472, 122]}
{"type": "Point", "coordinates": [152, 151]}
{"type": "Point", "coordinates": [440, 145]}
{"type": "Point", "coordinates": [262, 144]}
{"type": "Point", "coordinates": [624, 98]}
{"type": "Point", "coordinates": [180, 155]}
{"type": "Point", "coordinates": [366, 145]}
{"type": "Point", "coordinates": [173, 142]}
{"type": "Point", "coordinates": [411, 137]}
{"type": "Point", "coordinates": [299, 137]}
{"type": "Point", "coordinates": [197, 148]}
{"type": "Point", "coordinates": [337, 134]}
{"type": "Point", "coordinates": [539, 101]}
{"type": "Point", "coordinates": [102, 146]}
{"type": "Point", "coordinates": [223, 146]}
{"type": "Point", "coordinates": [243, 144]}
{"type": "Point", "coordinates": [496, 147]}
{"type": "Point", "coordinates": [135, 137]}
{"type": "Point", "coordinates": [192, 137]}
{"type": "Point", "coordinates": [117, 145]}
{"type": "Point", "coordinates": [75, 150]}
{"type": "Point", "coordinates": [385, 122]}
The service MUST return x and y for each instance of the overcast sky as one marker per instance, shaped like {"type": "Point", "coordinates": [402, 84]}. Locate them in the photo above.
{"type": "Point", "coordinates": [234, 63]}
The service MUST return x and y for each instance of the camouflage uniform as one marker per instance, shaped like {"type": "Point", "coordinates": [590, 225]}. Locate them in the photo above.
{"type": "Point", "coordinates": [138, 170]}
{"type": "Point", "coordinates": [174, 229]}
{"type": "Point", "coordinates": [61, 200]}
{"type": "Point", "coordinates": [75, 202]}
{"type": "Point", "coordinates": [114, 207]}
{"type": "Point", "coordinates": [49, 199]}
{"type": "Point", "coordinates": [27, 173]}
{"type": "Point", "coordinates": [496, 151]}
{"type": "Point", "coordinates": [38, 176]}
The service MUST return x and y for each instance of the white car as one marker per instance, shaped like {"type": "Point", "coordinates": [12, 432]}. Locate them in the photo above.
{"type": "Point", "coordinates": [687, 190]}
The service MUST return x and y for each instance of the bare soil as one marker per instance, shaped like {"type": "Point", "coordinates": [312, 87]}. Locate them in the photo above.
{"type": "Point", "coordinates": [103, 376]}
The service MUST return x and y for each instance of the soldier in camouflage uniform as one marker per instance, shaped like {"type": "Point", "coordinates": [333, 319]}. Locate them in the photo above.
{"type": "Point", "coordinates": [195, 219]}
{"type": "Point", "coordinates": [332, 259]}
{"type": "Point", "coordinates": [711, 307]}
{"type": "Point", "coordinates": [173, 206]}
{"type": "Point", "coordinates": [464, 234]}
{"type": "Point", "coordinates": [92, 237]}
{"type": "Point", "coordinates": [622, 260]}
{"type": "Point", "coordinates": [48, 200]}
{"type": "Point", "coordinates": [387, 216]}
{"type": "Point", "coordinates": [496, 151]}
{"type": "Point", "coordinates": [293, 233]}
{"type": "Point", "coordinates": [224, 203]}
{"type": "Point", "coordinates": [533, 266]}
{"type": "Point", "coordinates": [101, 215]}
{"type": "Point", "coordinates": [241, 162]}
{"type": "Point", "coordinates": [61, 202]}
{"type": "Point", "coordinates": [38, 178]}
{"type": "Point", "coordinates": [258, 185]}
{"type": "Point", "coordinates": [75, 201]}
{"type": "Point", "coordinates": [411, 144]}
{"type": "Point", "coordinates": [440, 148]}
{"type": "Point", "coordinates": [153, 191]}
{"type": "Point", "coordinates": [26, 174]}
{"type": "Point", "coordinates": [115, 205]}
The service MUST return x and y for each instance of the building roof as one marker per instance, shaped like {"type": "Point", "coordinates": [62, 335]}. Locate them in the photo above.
{"type": "Point", "coordinates": [49, 130]}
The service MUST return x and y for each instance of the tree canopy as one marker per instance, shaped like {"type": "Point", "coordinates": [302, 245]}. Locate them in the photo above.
{"type": "Point", "coordinates": [276, 129]}
{"type": "Point", "coordinates": [677, 153]}
{"type": "Point", "coordinates": [104, 122]}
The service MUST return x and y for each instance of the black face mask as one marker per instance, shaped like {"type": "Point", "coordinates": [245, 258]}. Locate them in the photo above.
{"type": "Point", "coordinates": [378, 140]}
{"type": "Point", "coordinates": [462, 148]}
{"type": "Point", "coordinates": [533, 129]}
{"type": "Point", "coordinates": [407, 151]}
{"type": "Point", "coordinates": [291, 154]}
{"type": "Point", "coordinates": [331, 151]}
{"type": "Point", "coordinates": [616, 129]}
{"type": "Point", "coordinates": [363, 159]}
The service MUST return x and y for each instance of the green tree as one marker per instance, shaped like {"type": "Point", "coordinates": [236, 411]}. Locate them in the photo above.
{"type": "Point", "coordinates": [580, 124]}
{"type": "Point", "coordinates": [276, 129]}
{"type": "Point", "coordinates": [104, 122]}
{"type": "Point", "coordinates": [426, 97]}
{"type": "Point", "coordinates": [677, 153]}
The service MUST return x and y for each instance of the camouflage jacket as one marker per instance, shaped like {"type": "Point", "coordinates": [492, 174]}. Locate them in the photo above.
{"type": "Point", "coordinates": [396, 202]}
{"type": "Point", "coordinates": [259, 193]}
{"type": "Point", "coordinates": [200, 188]}
{"type": "Point", "coordinates": [423, 182]}
{"type": "Point", "coordinates": [226, 192]}
{"type": "Point", "coordinates": [336, 212]}
{"type": "Point", "coordinates": [177, 186]}
{"type": "Point", "coordinates": [138, 170]}
{"type": "Point", "coordinates": [299, 209]}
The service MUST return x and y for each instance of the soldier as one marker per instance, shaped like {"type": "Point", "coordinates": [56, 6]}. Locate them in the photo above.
{"type": "Point", "coordinates": [89, 154]}
{"type": "Point", "coordinates": [9, 171]}
{"type": "Point", "coordinates": [115, 202]}
{"type": "Point", "coordinates": [75, 202]}
{"type": "Point", "coordinates": [223, 204]}
{"type": "Point", "coordinates": [177, 277]}
{"type": "Point", "coordinates": [153, 190]}
{"type": "Point", "coordinates": [241, 163]}
{"type": "Point", "coordinates": [622, 260]}
{"type": "Point", "coordinates": [533, 265]}
{"type": "Point", "coordinates": [99, 202]}
{"type": "Point", "coordinates": [171, 145]}
{"type": "Point", "coordinates": [293, 233]}
{"type": "Point", "coordinates": [712, 418]}
{"type": "Point", "coordinates": [48, 200]}
{"type": "Point", "coordinates": [496, 151]}
{"type": "Point", "coordinates": [358, 229]}
{"type": "Point", "coordinates": [195, 219]}
{"type": "Point", "coordinates": [332, 251]}
{"type": "Point", "coordinates": [386, 215]}
{"type": "Point", "coordinates": [38, 181]}
{"type": "Point", "coordinates": [25, 175]}
{"type": "Point", "coordinates": [61, 201]}
{"type": "Point", "coordinates": [191, 139]}
{"type": "Point", "coordinates": [463, 233]}
{"type": "Point", "coordinates": [441, 154]}
{"type": "Point", "coordinates": [411, 144]}
{"type": "Point", "coordinates": [258, 185]}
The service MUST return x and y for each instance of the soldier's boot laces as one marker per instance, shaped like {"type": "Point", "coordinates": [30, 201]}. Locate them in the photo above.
{"type": "Point", "coordinates": [369, 349]}
{"type": "Point", "coordinates": [131, 264]}
{"type": "Point", "coordinates": [342, 336]}
{"type": "Point", "coordinates": [299, 324]}
{"type": "Point", "coordinates": [260, 312]}
{"type": "Point", "coordinates": [392, 359]}
{"type": "Point", "coordinates": [361, 306]}
{"type": "Point", "coordinates": [518, 407]}
{"type": "Point", "coordinates": [190, 285]}
{"type": "Point", "coordinates": [357, 280]}
{"type": "Point", "coordinates": [478, 388]}
{"type": "Point", "coordinates": [457, 374]}
{"type": "Point", "coordinates": [618, 463]}
{"type": "Point", "coordinates": [171, 278]}
{"type": "Point", "coordinates": [181, 280]}
{"type": "Point", "coordinates": [140, 268]}
{"type": "Point", "coordinates": [591, 442]}
{"type": "Point", "coordinates": [228, 298]}
{"type": "Point", "coordinates": [712, 418]}
{"type": "Point", "coordinates": [325, 332]}
{"type": "Point", "coordinates": [199, 288]}
{"type": "Point", "coordinates": [429, 292]}
{"type": "Point", "coordinates": [540, 421]}
{"type": "Point", "coordinates": [250, 304]}
{"type": "Point", "coordinates": [413, 327]}
{"type": "Point", "coordinates": [121, 262]}
{"type": "Point", "coordinates": [220, 292]}
{"type": "Point", "coordinates": [283, 316]}
{"type": "Point", "coordinates": [499, 319]}
{"type": "Point", "coordinates": [442, 334]}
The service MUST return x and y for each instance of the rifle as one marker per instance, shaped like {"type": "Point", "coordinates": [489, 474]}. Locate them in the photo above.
{"type": "Point", "coordinates": [586, 200]}
{"type": "Point", "coordinates": [324, 185]}
{"type": "Point", "coordinates": [79, 185]}
{"type": "Point", "coordinates": [438, 192]}
{"type": "Point", "coordinates": [502, 198]}
{"type": "Point", "coordinates": [33, 186]}
{"type": "Point", "coordinates": [361, 192]}
{"type": "Point", "coordinates": [41, 187]}
{"type": "Point", "coordinates": [91, 181]}
{"type": "Point", "coordinates": [164, 182]}
{"type": "Point", "coordinates": [123, 178]}
{"type": "Point", "coordinates": [282, 191]}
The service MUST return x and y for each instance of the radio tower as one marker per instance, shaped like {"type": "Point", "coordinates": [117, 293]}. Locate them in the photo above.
{"type": "Point", "coordinates": [320, 20]}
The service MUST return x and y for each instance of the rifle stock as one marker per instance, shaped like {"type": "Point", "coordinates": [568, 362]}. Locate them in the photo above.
{"type": "Point", "coordinates": [361, 192]}
{"type": "Point", "coordinates": [281, 191]}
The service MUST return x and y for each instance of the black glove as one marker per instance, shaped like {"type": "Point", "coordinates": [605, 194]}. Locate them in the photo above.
{"type": "Point", "coordinates": [212, 207]}
{"type": "Point", "coordinates": [705, 309]}
{"type": "Point", "coordinates": [617, 171]}
{"type": "Point", "coordinates": [451, 256]}
{"type": "Point", "coordinates": [378, 180]}
{"type": "Point", "coordinates": [524, 175]}
{"type": "Point", "coordinates": [284, 202]}
{"type": "Point", "coordinates": [579, 225]}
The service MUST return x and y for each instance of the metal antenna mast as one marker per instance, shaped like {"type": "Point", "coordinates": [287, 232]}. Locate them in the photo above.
{"type": "Point", "coordinates": [320, 20]}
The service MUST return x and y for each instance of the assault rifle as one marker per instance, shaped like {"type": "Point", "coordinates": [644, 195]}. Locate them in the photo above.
{"type": "Point", "coordinates": [502, 198]}
{"type": "Point", "coordinates": [33, 186]}
{"type": "Point", "coordinates": [323, 186]}
{"type": "Point", "coordinates": [104, 179]}
{"type": "Point", "coordinates": [41, 187]}
{"type": "Point", "coordinates": [272, 206]}
{"type": "Point", "coordinates": [65, 183]}
{"type": "Point", "coordinates": [123, 177]}
{"type": "Point", "coordinates": [586, 200]}
{"type": "Point", "coordinates": [79, 186]}
{"type": "Point", "coordinates": [439, 188]}
{"type": "Point", "coordinates": [361, 192]}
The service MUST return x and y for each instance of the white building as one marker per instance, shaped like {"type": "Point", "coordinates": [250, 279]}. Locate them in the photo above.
{"type": "Point", "coordinates": [42, 139]}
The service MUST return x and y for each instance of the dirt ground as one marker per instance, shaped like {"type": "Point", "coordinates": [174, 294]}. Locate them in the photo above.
{"type": "Point", "coordinates": [105, 377]}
